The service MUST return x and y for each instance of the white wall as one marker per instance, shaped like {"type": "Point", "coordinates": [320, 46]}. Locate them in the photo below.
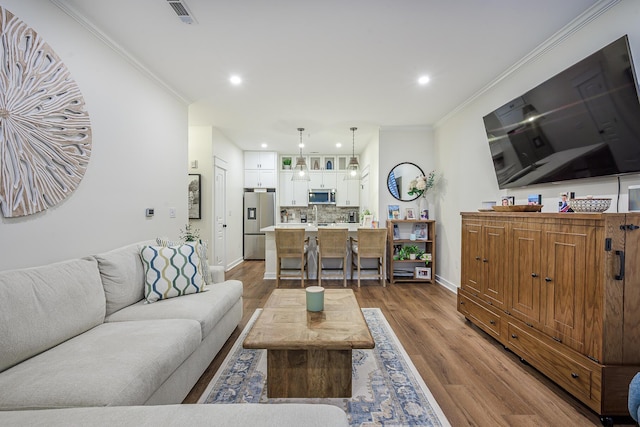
{"type": "Point", "coordinates": [370, 161]}
{"type": "Point", "coordinates": [463, 150]}
{"type": "Point", "coordinates": [205, 143]}
{"type": "Point", "coordinates": [415, 144]}
{"type": "Point", "coordinates": [138, 159]}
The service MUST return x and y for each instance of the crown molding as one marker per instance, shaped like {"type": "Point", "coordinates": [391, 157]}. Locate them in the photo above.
{"type": "Point", "coordinates": [568, 30]}
{"type": "Point", "coordinates": [108, 41]}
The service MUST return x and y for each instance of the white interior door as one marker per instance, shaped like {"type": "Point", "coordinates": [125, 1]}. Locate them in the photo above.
{"type": "Point", "coordinates": [219, 209]}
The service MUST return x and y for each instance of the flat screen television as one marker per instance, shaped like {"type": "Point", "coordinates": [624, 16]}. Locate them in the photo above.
{"type": "Point", "coordinates": [583, 122]}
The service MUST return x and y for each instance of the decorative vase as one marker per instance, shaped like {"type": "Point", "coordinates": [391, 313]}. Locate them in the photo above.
{"type": "Point", "coordinates": [423, 206]}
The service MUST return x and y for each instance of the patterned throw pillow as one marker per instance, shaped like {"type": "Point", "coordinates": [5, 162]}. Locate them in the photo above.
{"type": "Point", "coordinates": [171, 271]}
{"type": "Point", "coordinates": [200, 246]}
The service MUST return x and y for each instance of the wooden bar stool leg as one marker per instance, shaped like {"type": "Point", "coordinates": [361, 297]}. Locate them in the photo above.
{"type": "Point", "coordinates": [345, 267]}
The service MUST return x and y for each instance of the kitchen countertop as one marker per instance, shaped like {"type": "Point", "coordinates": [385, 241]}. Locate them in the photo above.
{"type": "Point", "coordinates": [310, 227]}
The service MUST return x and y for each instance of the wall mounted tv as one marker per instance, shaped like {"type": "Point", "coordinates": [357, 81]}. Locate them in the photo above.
{"type": "Point", "coordinates": [581, 123]}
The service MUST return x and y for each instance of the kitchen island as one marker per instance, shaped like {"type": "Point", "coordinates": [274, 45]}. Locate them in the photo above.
{"type": "Point", "coordinates": [311, 231]}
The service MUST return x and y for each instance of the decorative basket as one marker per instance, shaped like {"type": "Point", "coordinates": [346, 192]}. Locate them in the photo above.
{"type": "Point", "coordinates": [589, 205]}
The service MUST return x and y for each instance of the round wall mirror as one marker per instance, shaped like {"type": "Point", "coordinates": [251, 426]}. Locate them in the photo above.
{"type": "Point", "coordinates": [400, 177]}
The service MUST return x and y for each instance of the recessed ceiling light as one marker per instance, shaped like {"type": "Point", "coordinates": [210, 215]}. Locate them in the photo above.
{"type": "Point", "coordinates": [423, 80]}
{"type": "Point", "coordinates": [235, 80]}
{"type": "Point", "coordinates": [301, 145]}
{"type": "Point", "coordinates": [263, 145]}
{"type": "Point", "coordinates": [338, 144]}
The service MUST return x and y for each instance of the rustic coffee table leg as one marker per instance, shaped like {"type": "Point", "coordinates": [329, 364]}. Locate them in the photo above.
{"type": "Point", "coordinates": [309, 373]}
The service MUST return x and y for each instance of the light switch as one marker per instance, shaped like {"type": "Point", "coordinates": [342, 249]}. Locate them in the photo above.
{"type": "Point", "coordinates": [194, 164]}
{"type": "Point", "coordinates": [149, 212]}
{"type": "Point", "coordinates": [172, 212]}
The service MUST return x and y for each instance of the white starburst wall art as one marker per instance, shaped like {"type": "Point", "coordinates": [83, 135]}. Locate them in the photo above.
{"type": "Point", "coordinates": [45, 131]}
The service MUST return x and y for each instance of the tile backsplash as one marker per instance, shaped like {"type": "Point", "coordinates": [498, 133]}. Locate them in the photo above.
{"type": "Point", "coordinates": [326, 213]}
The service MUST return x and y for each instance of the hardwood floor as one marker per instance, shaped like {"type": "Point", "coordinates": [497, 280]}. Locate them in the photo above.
{"type": "Point", "coordinates": [474, 379]}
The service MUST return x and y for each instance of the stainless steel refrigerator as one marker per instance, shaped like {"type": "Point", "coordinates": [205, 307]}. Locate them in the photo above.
{"type": "Point", "coordinates": [259, 212]}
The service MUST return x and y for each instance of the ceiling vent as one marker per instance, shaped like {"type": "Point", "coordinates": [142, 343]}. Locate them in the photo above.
{"type": "Point", "coordinates": [181, 9]}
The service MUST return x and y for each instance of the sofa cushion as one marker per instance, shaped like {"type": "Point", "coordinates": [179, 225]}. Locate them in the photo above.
{"type": "Point", "coordinates": [201, 248]}
{"type": "Point", "coordinates": [43, 306]}
{"type": "Point", "coordinates": [121, 363]}
{"type": "Point", "coordinates": [250, 415]}
{"type": "Point", "coordinates": [206, 307]}
{"type": "Point", "coordinates": [171, 271]}
{"type": "Point", "coordinates": [122, 275]}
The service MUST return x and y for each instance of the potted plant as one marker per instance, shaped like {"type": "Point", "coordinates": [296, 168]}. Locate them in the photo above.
{"type": "Point", "coordinates": [190, 234]}
{"type": "Point", "coordinates": [286, 162]}
{"type": "Point", "coordinates": [409, 252]}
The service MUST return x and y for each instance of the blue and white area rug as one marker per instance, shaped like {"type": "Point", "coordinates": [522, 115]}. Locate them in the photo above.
{"type": "Point", "coordinates": [387, 388]}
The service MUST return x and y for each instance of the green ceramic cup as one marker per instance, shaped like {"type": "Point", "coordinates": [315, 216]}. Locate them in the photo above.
{"type": "Point", "coordinates": [315, 298]}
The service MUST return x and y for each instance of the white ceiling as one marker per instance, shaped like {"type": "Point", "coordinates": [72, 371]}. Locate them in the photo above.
{"type": "Point", "coordinates": [325, 65]}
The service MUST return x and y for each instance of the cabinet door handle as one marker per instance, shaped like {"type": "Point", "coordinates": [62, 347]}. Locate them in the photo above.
{"type": "Point", "coordinates": [477, 258]}
{"type": "Point", "coordinates": [493, 322]}
{"type": "Point", "coordinates": [620, 276]}
{"type": "Point", "coordinates": [547, 279]}
{"type": "Point", "coordinates": [557, 339]}
{"type": "Point", "coordinates": [574, 375]}
{"type": "Point", "coordinates": [534, 275]}
{"type": "Point", "coordinates": [514, 336]}
{"type": "Point", "coordinates": [485, 260]}
{"type": "Point", "coordinates": [461, 302]}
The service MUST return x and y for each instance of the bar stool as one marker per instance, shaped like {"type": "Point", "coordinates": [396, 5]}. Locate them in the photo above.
{"type": "Point", "coordinates": [291, 243]}
{"type": "Point", "coordinates": [371, 243]}
{"type": "Point", "coordinates": [332, 244]}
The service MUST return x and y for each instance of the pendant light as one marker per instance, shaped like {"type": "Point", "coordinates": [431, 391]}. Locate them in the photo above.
{"type": "Point", "coordinates": [300, 171]}
{"type": "Point", "coordinates": [353, 169]}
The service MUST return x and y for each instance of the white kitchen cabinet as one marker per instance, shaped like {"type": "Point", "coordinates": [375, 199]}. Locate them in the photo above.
{"type": "Point", "coordinates": [265, 160]}
{"type": "Point", "coordinates": [292, 193]}
{"type": "Point", "coordinates": [260, 169]}
{"type": "Point", "coordinates": [256, 178]}
{"type": "Point", "coordinates": [347, 191]}
{"type": "Point", "coordinates": [322, 180]}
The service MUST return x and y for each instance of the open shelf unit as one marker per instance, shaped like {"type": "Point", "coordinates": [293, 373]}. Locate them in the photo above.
{"type": "Point", "coordinates": [398, 232]}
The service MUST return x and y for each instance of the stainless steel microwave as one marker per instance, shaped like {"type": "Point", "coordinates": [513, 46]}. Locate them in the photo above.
{"type": "Point", "coordinates": [322, 197]}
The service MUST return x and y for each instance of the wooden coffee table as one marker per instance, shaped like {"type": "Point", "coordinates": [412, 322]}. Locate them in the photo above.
{"type": "Point", "coordinates": [309, 354]}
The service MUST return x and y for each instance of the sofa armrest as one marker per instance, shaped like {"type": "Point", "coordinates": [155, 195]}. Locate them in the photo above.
{"type": "Point", "coordinates": [216, 273]}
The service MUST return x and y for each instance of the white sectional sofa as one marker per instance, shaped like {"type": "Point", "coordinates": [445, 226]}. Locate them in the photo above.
{"type": "Point", "coordinates": [78, 334]}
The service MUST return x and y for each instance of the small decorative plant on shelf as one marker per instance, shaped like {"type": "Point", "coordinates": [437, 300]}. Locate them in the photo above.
{"type": "Point", "coordinates": [426, 258]}
{"type": "Point", "coordinates": [190, 234]}
{"type": "Point", "coordinates": [409, 252]}
{"type": "Point", "coordinates": [286, 162]}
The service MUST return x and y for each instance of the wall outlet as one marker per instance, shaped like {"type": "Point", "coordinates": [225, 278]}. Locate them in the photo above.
{"type": "Point", "coordinates": [172, 212]}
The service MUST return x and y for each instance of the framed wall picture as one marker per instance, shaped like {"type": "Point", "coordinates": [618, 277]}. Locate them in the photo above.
{"type": "Point", "coordinates": [194, 196]}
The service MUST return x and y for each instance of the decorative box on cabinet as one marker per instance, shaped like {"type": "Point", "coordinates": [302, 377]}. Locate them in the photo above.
{"type": "Point", "coordinates": [404, 270]}
{"type": "Point", "coordinates": [562, 291]}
